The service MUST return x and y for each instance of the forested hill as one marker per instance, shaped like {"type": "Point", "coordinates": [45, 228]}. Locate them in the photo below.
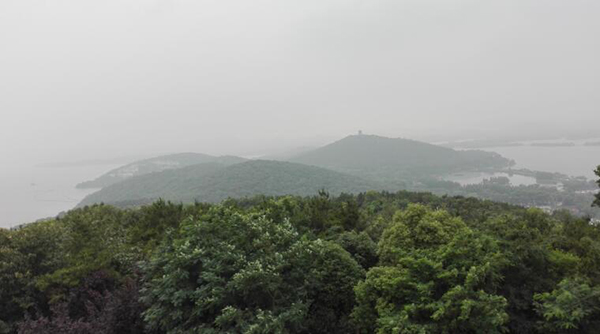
{"type": "Point", "coordinates": [396, 158]}
{"type": "Point", "coordinates": [156, 164]}
{"type": "Point", "coordinates": [215, 182]}
{"type": "Point", "coordinates": [372, 263]}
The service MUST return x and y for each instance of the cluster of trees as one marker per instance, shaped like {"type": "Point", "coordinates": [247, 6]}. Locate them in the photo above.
{"type": "Point", "coordinates": [375, 262]}
{"type": "Point", "coordinates": [571, 197]}
{"type": "Point", "coordinates": [215, 182]}
{"type": "Point", "coordinates": [156, 165]}
{"type": "Point", "coordinates": [597, 200]}
{"type": "Point", "coordinates": [351, 165]}
{"type": "Point", "coordinates": [397, 159]}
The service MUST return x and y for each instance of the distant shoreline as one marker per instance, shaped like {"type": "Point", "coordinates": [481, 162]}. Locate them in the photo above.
{"type": "Point", "coordinates": [87, 163]}
{"type": "Point", "coordinates": [474, 144]}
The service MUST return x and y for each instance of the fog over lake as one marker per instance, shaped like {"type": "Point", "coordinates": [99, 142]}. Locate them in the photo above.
{"type": "Point", "coordinates": [102, 79]}
{"type": "Point", "coordinates": [32, 193]}
{"type": "Point", "coordinates": [570, 160]}
{"type": "Point", "coordinates": [299, 166]}
{"type": "Point", "coordinates": [94, 78]}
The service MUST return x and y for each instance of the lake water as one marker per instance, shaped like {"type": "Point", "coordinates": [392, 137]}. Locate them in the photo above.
{"type": "Point", "coordinates": [570, 160]}
{"type": "Point", "coordinates": [30, 193]}
{"type": "Point", "coordinates": [476, 178]}
{"type": "Point", "coordinates": [577, 160]}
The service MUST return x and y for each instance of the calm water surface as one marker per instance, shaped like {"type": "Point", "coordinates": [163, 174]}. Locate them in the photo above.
{"type": "Point", "coordinates": [31, 193]}
{"type": "Point", "coordinates": [28, 194]}
{"type": "Point", "coordinates": [476, 178]}
{"type": "Point", "coordinates": [574, 160]}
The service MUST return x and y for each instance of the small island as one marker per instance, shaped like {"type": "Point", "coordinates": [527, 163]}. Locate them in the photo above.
{"type": "Point", "coordinates": [554, 144]}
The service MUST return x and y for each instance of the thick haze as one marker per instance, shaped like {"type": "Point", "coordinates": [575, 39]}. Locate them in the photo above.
{"type": "Point", "coordinates": [81, 79]}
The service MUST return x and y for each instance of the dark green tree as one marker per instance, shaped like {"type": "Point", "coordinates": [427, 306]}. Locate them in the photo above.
{"type": "Point", "coordinates": [232, 272]}
{"type": "Point", "coordinates": [360, 246]}
{"type": "Point", "coordinates": [597, 201]}
{"type": "Point", "coordinates": [26, 255]}
{"type": "Point", "coordinates": [94, 238]}
{"type": "Point", "coordinates": [526, 242]}
{"type": "Point", "coordinates": [149, 224]}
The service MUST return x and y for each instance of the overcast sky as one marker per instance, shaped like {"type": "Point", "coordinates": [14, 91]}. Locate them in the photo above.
{"type": "Point", "coordinates": [104, 78]}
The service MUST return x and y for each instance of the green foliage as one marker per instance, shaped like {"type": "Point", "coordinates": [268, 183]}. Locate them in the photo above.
{"type": "Point", "coordinates": [93, 239]}
{"type": "Point", "coordinates": [435, 276]}
{"type": "Point", "coordinates": [573, 307]}
{"type": "Point", "coordinates": [297, 265]}
{"type": "Point", "coordinates": [581, 240]}
{"type": "Point", "coordinates": [157, 164]}
{"type": "Point", "coordinates": [234, 272]}
{"type": "Point", "coordinates": [98, 306]}
{"type": "Point", "coordinates": [534, 195]}
{"type": "Point", "coordinates": [387, 159]}
{"type": "Point", "coordinates": [380, 163]}
{"type": "Point", "coordinates": [147, 226]}
{"type": "Point", "coordinates": [214, 183]}
{"type": "Point", "coordinates": [597, 200]}
{"type": "Point", "coordinates": [417, 228]}
{"type": "Point", "coordinates": [332, 275]}
{"type": "Point", "coordinates": [25, 255]}
{"type": "Point", "coordinates": [525, 243]}
{"type": "Point", "coordinates": [360, 245]}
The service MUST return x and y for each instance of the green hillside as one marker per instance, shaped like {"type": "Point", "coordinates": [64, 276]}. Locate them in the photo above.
{"type": "Point", "coordinates": [303, 265]}
{"type": "Point", "coordinates": [157, 164]}
{"type": "Point", "coordinates": [397, 159]}
{"type": "Point", "coordinates": [215, 182]}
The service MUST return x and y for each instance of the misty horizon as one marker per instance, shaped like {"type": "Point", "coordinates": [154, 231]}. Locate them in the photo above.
{"type": "Point", "coordinates": [299, 167]}
{"type": "Point", "coordinates": [83, 80]}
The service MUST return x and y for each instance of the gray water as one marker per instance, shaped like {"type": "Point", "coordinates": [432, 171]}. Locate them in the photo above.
{"type": "Point", "coordinates": [571, 160]}
{"type": "Point", "coordinates": [476, 178]}
{"type": "Point", "coordinates": [31, 193]}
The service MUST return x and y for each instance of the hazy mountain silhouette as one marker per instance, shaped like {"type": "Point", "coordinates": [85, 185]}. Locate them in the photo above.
{"type": "Point", "coordinates": [212, 182]}
{"type": "Point", "coordinates": [395, 158]}
{"type": "Point", "coordinates": [157, 164]}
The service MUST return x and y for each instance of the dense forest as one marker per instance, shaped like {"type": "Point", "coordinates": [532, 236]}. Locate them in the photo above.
{"type": "Point", "coordinates": [398, 159]}
{"type": "Point", "coordinates": [211, 182]}
{"type": "Point", "coordinates": [367, 156]}
{"type": "Point", "coordinates": [374, 262]}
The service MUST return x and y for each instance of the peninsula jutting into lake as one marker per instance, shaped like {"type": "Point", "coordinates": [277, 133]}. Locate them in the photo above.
{"type": "Point", "coordinates": [299, 167]}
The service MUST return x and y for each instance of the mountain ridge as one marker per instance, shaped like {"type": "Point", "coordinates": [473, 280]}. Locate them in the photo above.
{"type": "Point", "coordinates": [384, 158]}
{"type": "Point", "coordinates": [156, 164]}
{"type": "Point", "coordinates": [212, 182]}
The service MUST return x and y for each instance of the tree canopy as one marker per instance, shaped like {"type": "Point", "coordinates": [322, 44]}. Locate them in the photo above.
{"type": "Point", "coordinates": [375, 262]}
{"type": "Point", "coordinates": [597, 201]}
{"type": "Point", "coordinates": [244, 273]}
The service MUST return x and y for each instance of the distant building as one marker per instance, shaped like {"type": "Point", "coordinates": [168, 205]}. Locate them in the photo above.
{"type": "Point", "coordinates": [360, 132]}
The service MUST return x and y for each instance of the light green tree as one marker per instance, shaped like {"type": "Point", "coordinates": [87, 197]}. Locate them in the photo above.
{"type": "Point", "coordinates": [435, 276]}
{"type": "Point", "coordinates": [573, 307]}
